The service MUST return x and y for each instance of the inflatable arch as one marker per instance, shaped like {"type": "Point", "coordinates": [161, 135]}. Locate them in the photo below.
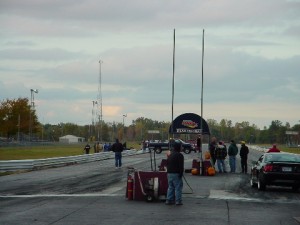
{"type": "Point", "coordinates": [189, 123]}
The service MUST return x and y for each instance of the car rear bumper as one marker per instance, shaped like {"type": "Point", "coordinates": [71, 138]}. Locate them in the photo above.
{"type": "Point", "coordinates": [284, 179]}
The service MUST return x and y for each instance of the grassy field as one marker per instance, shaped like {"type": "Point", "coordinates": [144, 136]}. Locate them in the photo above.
{"type": "Point", "coordinates": [284, 148]}
{"type": "Point", "coordinates": [49, 151]}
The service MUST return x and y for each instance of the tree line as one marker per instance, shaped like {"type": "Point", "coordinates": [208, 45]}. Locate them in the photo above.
{"type": "Point", "coordinates": [18, 119]}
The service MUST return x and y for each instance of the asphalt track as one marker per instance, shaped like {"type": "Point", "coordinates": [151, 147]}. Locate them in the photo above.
{"type": "Point", "coordinates": [225, 199]}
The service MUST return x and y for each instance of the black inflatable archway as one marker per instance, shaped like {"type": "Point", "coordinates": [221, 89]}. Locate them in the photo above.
{"type": "Point", "coordinates": [189, 123]}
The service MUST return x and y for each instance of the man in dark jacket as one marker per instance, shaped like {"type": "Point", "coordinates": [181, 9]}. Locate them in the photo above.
{"type": "Point", "coordinates": [232, 152]}
{"type": "Point", "coordinates": [244, 156]}
{"type": "Point", "coordinates": [175, 167]}
{"type": "Point", "coordinates": [212, 148]}
{"type": "Point", "coordinates": [87, 148]}
{"type": "Point", "coordinates": [220, 154]}
{"type": "Point", "coordinates": [117, 148]}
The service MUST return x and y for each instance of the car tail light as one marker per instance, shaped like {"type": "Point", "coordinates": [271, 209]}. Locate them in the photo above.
{"type": "Point", "coordinates": [268, 168]}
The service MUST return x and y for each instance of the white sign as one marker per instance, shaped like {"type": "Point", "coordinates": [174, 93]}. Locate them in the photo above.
{"type": "Point", "coordinates": [189, 131]}
{"type": "Point", "coordinates": [153, 131]}
{"type": "Point", "coordinates": [291, 132]}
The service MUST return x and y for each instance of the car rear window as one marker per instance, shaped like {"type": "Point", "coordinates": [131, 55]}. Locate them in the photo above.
{"type": "Point", "coordinates": [282, 158]}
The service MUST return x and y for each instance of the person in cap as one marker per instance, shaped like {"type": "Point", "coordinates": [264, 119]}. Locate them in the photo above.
{"type": "Point", "coordinates": [244, 151]}
{"type": "Point", "coordinates": [175, 168]}
{"type": "Point", "coordinates": [273, 149]}
{"type": "Point", "coordinates": [232, 152]}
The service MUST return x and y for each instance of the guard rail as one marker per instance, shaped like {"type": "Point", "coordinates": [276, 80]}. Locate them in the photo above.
{"type": "Point", "coordinates": [35, 164]}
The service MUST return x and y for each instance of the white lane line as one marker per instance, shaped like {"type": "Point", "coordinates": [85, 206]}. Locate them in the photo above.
{"type": "Point", "coordinates": [61, 195]}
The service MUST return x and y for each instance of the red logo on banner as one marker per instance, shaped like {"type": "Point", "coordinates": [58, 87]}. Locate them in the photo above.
{"type": "Point", "coordinates": [189, 123]}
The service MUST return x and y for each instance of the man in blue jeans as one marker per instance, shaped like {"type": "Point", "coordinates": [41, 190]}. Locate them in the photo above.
{"type": "Point", "coordinates": [232, 152]}
{"type": "Point", "coordinates": [117, 148]}
{"type": "Point", "coordinates": [175, 167]}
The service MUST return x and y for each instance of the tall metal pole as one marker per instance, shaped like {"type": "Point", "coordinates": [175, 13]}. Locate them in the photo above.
{"type": "Point", "coordinates": [202, 79]}
{"type": "Point", "coordinates": [173, 84]}
{"type": "Point", "coordinates": [125, 115]}
{"type": "Point", "coordinates": [31, 108]}
{"type": "Point", "coordinates": [93, 118]}
{"type": "Point", "coordinates": [100, 101]}
{"type": "Point", "coordinates": [201, 124]}
{"type": "Point", "coordinates": [19, 121]}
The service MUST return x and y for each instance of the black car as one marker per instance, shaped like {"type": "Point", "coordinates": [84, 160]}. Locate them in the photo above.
{"type": "Point", "coordinates": [279, 169]}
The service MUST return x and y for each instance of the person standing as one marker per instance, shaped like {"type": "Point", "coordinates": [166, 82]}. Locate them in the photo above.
{"type": "Point", "coordinates": [175, 168]}
{"type": "Point", "coordinates": [273, 149]}
{"type": "Point", "coordinates": [232, 152]}
{"type": "Point", "coordinates": [244, 151]}
{"type": "Point", "coordinates": [117, 148]}
{"type": "Point", "coordinates": [87, 148]}
{"type": "Point", "coordinates": [212, 149]}
{"type": "Point", "coordinates": [99, 147]}
{"type": "Point", "coordinates": [220, 154]}
{"type": "Point", "coordinates": [105, 147]}
{"type": "Point", "coordinates": [199, 143]}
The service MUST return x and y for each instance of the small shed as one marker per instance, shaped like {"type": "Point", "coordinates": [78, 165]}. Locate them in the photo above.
{"type": "Point", "coordinates": [71, 139]}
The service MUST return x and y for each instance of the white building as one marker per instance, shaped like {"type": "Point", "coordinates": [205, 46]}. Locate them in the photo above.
{"type": "Point", "coordinates": [71, 139]}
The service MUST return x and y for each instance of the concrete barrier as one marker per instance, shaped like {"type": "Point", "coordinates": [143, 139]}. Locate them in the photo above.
{"type": "Point", "coordinates": [33, 164]}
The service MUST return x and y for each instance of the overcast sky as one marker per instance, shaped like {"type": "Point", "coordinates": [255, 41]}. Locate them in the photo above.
{"type": "Point", "coordinates": [251, 58]}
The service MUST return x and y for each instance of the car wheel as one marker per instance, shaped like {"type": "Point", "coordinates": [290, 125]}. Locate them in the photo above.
{"type": "Point", "coordinates": [157, 150]}
{"type": "Point", "coordinates": [187, 150]}
{"type": "Point", "coordinates": [252, 183]}
{"type": "Point", "coordinates": [261, 185]}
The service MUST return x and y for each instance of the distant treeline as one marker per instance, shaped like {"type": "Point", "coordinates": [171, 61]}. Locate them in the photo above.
{"type": "Point", "coordinates": [18, 119]}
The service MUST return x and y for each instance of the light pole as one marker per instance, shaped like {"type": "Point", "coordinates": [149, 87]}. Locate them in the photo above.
{"type": "Point", "coordinates": [31, 107]}
{"type": "Point", "coordinates": [125, 115]}
{"type": "Point", "coordinates": [93, 118]}
{"type": "Point", "coordinates": [100, 100]}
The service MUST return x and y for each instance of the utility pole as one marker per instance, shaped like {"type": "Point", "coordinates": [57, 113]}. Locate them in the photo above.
{"type": "Point", "coordinates": [93, 118]}
{"type": "Point", "coordinates": [100, 102]}
{"type": "Point", "coordinates": [31, 109]}
{"type": "Point", "coordinates": [19, 121]}
{"type": "Point", "coordinates": [125, 115]}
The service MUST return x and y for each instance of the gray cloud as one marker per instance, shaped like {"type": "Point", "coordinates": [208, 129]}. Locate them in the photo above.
{"type": "Point", "coordinates": [39, 54]}
{"type": "Point", "coordinates": [251, 56]}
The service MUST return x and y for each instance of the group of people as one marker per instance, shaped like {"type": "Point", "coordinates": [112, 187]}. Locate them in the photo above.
{"type": "Point", "coordinates": [117, 148]}
{"type": "Point", "coordinates": [218, 152]}
{"type": "Point", "coordinates": [98, 147]}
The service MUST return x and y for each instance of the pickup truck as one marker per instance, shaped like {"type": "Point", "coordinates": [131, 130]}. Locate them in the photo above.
{"type": "Point", "coordinates": [158, 147]}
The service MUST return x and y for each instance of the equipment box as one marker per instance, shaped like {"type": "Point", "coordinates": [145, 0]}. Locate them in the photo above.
{"type": "Point", "coordinates": [150, 185]}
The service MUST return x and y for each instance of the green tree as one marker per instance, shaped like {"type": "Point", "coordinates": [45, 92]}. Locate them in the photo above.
{"type": "Point", "coordinates": [214, 128]}
{"type": "Point", "coordinates": [276, 132]}
{"type": "Point", "coordinates": [15, 116]}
